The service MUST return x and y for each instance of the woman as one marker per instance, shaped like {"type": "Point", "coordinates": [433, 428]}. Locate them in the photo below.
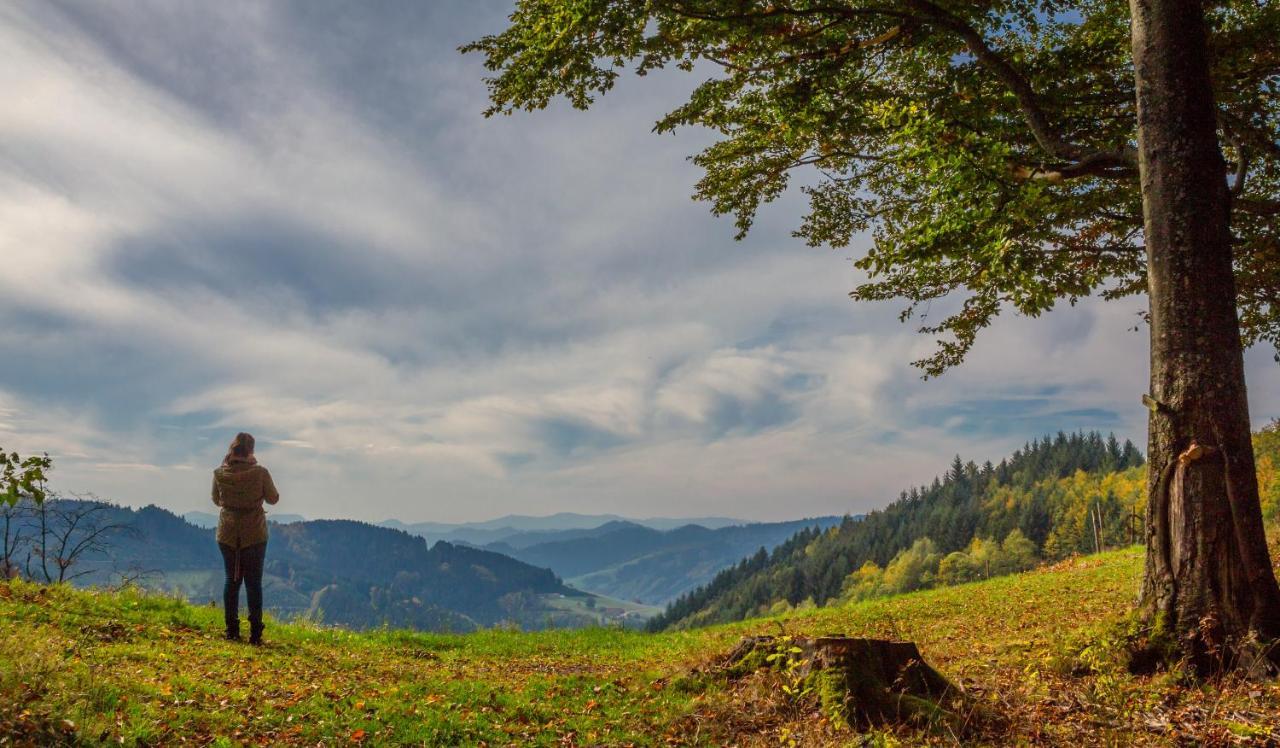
{"type": "Point", "coordinates": [240, 485]}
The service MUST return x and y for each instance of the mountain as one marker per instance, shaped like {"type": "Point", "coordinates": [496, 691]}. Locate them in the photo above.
{"type": "Point", "coordinates": [630, 561]}
{"type": "Point", "coordinates": [512, 522]}
{"type": "Point", "coordinates": [343, 572]}
{"type": "Point", "coordinates": [627, 560]}
{"type": "Point", "coordinates": [209, 520]}
{"type": "Point", "coordinates": [501, 529]}
{"type": "Point", "coordinates": [671, 523]}
{"type": "Point", "coordinates": [560, 521]}
{"type": "Point", "coordinates": [521, 540]}
{"type": "Point", "coordinates": [1054, 497]}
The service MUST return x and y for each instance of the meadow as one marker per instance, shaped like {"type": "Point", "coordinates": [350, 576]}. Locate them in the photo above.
{"type": "Point", "coordinates": [1039, 656]}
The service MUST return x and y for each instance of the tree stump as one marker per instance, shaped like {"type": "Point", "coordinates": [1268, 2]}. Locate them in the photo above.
{"type": "Point", "coordinates": [858, 682]}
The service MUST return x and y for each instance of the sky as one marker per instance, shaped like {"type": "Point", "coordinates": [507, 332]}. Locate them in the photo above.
{"type": "Point", "coordinates": [290, 218]}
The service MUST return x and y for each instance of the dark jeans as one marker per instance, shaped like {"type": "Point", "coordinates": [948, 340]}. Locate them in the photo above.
{"type": "Point", "coordinates": [250, 570]}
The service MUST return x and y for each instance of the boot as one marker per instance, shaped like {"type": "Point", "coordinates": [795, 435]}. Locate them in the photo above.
{"type": "Point", "coordinates": [255, 630]}
{"type": "Point", "coordinates": [233, 627]}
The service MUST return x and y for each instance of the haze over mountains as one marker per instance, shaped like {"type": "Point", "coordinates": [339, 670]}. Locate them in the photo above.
{"type": "Point", "coordinates": [351, 574]}
{"type": "Point", "coordinates": [650, 561]}
{"type": "Point", "coordinates": [209, 520]}
{"type": "Point", "coordinates": [535, 529]}
{"type": "Point", "coordinates": [563, 570]}
{"type": "Point", "coordinates": [627, 560]}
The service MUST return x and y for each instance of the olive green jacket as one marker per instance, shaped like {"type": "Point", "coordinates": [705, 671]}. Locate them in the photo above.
{"type": "Point", "coordinates": [240, 488]}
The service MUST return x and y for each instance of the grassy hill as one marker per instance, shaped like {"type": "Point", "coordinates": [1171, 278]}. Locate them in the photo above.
{"type": "Point", "coordinates": [1036, 651]}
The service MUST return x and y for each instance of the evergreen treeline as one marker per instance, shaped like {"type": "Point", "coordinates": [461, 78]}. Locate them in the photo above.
{"type": "Point", "coordinates": [1047, 498]}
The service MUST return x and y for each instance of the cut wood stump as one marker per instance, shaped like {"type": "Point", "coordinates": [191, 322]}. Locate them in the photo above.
{"type": "Point", "coordinates": [858, 682]}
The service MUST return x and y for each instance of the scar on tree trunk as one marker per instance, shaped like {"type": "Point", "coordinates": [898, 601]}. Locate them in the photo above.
{"type": "Point", "coordinates": [1199, 595]}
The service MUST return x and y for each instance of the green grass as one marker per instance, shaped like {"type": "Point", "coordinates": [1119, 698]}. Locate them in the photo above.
{"type": "Point", "coordinates": [608, 608]}
{"type": "Point", "coordinates": [1036, 651]}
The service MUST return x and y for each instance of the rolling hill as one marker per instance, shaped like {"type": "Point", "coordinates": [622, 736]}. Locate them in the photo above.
{"type": "Point", "coordinates": [646, 563]}
{"type": "Point", "coordinates": [629, 561]}
{"type": "Point", "coordinates": [1057, 496]}
{"type": "Point", "coordinates": [353, 574]}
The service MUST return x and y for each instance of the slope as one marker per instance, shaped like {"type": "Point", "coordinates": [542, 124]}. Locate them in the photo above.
{"type": "Point", "coordinates": [988, 503]}
{"type": "Point", "coordinates": [1036, 650]}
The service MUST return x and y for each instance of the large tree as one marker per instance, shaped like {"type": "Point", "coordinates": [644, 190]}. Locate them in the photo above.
{"type": "Point", "coordinates": [1005, 155]}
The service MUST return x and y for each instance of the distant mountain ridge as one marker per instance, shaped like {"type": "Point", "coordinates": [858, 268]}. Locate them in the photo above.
{"type": "Point", "coordinates": [633, 562]}
{"type": "Point", "coordinates": [502, 528]}
{"type": "Point", "coordinates": [517, 530]}
{"type": "Point", "coordinates": [354, 574]}
{"type": "Point", "coordinates": [209, 520]}
{"type": "Point", "coordinates": [648, 562]}
{"type": "Point", "coordinates": [562, 521]}
{"type": "Point", "coordinates": [522, 540]}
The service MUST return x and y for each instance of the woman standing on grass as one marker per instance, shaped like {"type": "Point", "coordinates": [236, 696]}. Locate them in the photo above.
{"type": "Point", "coordinates": [240, 486]}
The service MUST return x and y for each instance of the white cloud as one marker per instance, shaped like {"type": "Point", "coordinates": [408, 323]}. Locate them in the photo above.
{"type": "Point", "coordinates": [425, 314]}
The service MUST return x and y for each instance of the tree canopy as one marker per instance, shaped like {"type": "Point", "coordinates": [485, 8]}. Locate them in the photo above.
{"type": "Point", "coordinates": [989, 148]}
{"type": "Point", "coordinates": [22, 477]}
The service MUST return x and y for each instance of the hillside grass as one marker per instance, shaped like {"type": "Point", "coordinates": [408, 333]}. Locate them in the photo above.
{"type": "Point", "coordinates": [1038, 653]}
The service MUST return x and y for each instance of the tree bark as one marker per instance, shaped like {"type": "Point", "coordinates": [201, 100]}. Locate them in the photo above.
{"type": "Point", "coordinates": [1208, 578]}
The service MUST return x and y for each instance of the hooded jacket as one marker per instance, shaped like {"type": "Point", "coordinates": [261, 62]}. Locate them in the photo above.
{"type": "Point", "coordinates": [240, 488]}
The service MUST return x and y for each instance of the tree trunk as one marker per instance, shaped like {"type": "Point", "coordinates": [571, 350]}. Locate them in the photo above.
{"type": "Point", "coordinates": [1208, 580]}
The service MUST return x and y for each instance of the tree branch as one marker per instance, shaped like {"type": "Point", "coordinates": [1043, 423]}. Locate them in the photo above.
{"type": "Point", "coordinates": [1257, 207]}
{"type": "Point", "coordinates": [1028, 101]}
{"type": "Point", "coordinates": [1242, 171]}
{"type": "Point", "coordinates": [1118, 163]}
{"type": "Point", "coordinates": [1249, 135]}
{"type": "Point", "coordinates": [830, 53]}
{"type": "Point", "coordinates": [1106, 250]}
{"type": "Point", "coordinates": [775, 11]}
{"type": "Point", "coordinates": [1097, 164]}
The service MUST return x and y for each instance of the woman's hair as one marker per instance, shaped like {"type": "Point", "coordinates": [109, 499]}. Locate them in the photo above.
{"type": "Point", "coordinates": [241, 448]}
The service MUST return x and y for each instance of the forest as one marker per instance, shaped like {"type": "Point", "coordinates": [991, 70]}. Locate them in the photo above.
{"type": "Point", "coordinates": [1063, 494]}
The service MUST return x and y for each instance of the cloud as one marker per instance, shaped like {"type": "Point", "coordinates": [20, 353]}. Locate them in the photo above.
{"type": "Point", "coordinates": [291, 219]}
